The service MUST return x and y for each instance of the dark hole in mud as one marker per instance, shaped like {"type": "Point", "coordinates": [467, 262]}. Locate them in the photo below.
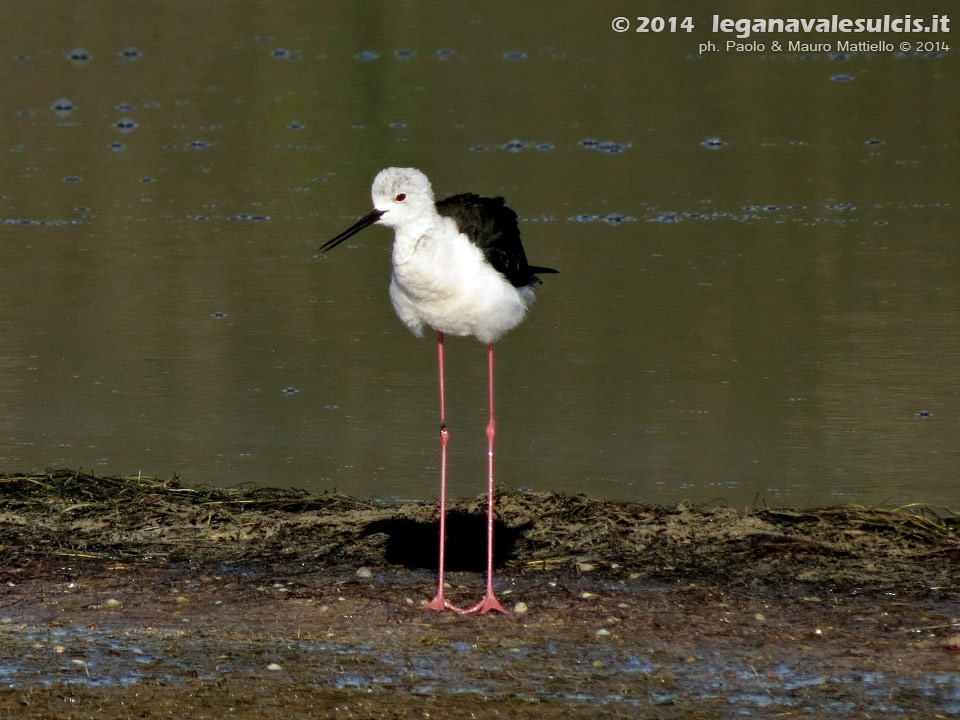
{"type": "Point", "coordinates": [416, 545]}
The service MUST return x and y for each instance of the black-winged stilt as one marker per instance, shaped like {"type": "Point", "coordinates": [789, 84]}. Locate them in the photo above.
{"type": "Point", "coordinates": [459, 268]}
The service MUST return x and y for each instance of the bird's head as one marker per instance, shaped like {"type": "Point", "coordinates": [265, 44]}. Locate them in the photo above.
{"type": "Point", "coordinates": [399, 195]}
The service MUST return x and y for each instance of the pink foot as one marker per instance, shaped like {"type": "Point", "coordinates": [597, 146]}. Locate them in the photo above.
{"type": "Point", "coordinates": [487, 605]}
{"type": "Point", "coordinates": [440, 603]}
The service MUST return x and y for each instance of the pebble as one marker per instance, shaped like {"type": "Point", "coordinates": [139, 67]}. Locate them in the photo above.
{"type": "Point", "coordinates": [113, 602]}
{"type": "Point", "coordinates": [274, 667]}
{"type": "Point", "coordinates": [365, 572]}
{"type": "Point", "coordinates": [587, 595]}
{"type": "Point", "coordinates": [586, 567]}
{"type": "Point", "coordinates": [520, 608]}
{"type": "Point", "coordinates": [602, 632]}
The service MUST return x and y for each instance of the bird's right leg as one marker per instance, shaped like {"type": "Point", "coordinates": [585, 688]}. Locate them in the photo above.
{"type": "Point", "coordinates": [440, 601]}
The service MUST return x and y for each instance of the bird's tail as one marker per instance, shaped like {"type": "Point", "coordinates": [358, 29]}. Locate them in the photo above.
{"type": "Point", "coordinates": [537, 270]}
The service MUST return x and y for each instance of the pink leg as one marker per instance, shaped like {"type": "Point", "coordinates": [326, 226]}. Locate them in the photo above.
{"type": "Point", "coordinates": [440, 601]}
{"type": "Point", "coordinates": [489, 602]}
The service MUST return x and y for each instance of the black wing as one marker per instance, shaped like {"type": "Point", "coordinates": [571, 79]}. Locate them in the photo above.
{"type": "Point", "coordinates": [492, 227]}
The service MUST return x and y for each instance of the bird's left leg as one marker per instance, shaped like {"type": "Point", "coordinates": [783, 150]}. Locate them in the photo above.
{"type": "Point", "coordinates": [490, 602]}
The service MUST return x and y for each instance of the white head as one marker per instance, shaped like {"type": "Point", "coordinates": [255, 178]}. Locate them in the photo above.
{"type": "Point", "coordinates": [401, 194]}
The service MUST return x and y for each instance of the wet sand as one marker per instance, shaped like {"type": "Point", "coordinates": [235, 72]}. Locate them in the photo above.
{"type": "Point", "coordinates": [127, 597]}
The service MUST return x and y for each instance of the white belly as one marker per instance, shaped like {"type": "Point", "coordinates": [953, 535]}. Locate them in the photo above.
{"type": "Point", "coordinates": [452, 289]}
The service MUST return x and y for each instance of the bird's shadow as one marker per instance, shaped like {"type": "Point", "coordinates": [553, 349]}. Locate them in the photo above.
{"type": "Point", "coordinates": [416, 544]}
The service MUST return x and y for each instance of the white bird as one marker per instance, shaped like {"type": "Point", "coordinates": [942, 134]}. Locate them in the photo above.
{"type": "Point", "coordinates": [459, 268]}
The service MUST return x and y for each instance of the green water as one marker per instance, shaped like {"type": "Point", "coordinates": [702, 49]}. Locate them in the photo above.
{"type": "Point", "coordinates": [759, 296]}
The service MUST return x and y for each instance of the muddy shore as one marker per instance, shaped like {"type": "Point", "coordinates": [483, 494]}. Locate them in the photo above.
{"type": "Point", "coordinates": [139, 598]}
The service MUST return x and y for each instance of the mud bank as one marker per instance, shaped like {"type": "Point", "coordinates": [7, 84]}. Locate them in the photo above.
{"type": "Point", "coordinates": [132, 597]}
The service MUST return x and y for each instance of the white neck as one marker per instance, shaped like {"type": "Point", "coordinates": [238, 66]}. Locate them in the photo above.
{"type": "Point", "coordinates": [419, 235]}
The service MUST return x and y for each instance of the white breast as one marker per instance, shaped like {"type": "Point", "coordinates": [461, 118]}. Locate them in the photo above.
{"type": "Point", "coordinates": [442, 280]}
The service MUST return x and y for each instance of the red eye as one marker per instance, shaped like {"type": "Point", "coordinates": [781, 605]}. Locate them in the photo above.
{"type": "Point", "coordinates": [401, 197]}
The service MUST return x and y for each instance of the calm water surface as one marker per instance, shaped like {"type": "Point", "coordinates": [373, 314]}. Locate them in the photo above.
{"type": "Point", "coordinates": [759, 298]}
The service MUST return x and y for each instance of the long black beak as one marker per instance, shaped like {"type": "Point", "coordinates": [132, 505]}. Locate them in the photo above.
{"type": "Point", "coordinates": [363, 222]}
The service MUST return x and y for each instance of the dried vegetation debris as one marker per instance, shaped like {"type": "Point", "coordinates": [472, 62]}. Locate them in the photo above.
{"type": "Point", "coordinates": [619, 609]}
{"type": "Point", "coordinates": [67, 513]}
